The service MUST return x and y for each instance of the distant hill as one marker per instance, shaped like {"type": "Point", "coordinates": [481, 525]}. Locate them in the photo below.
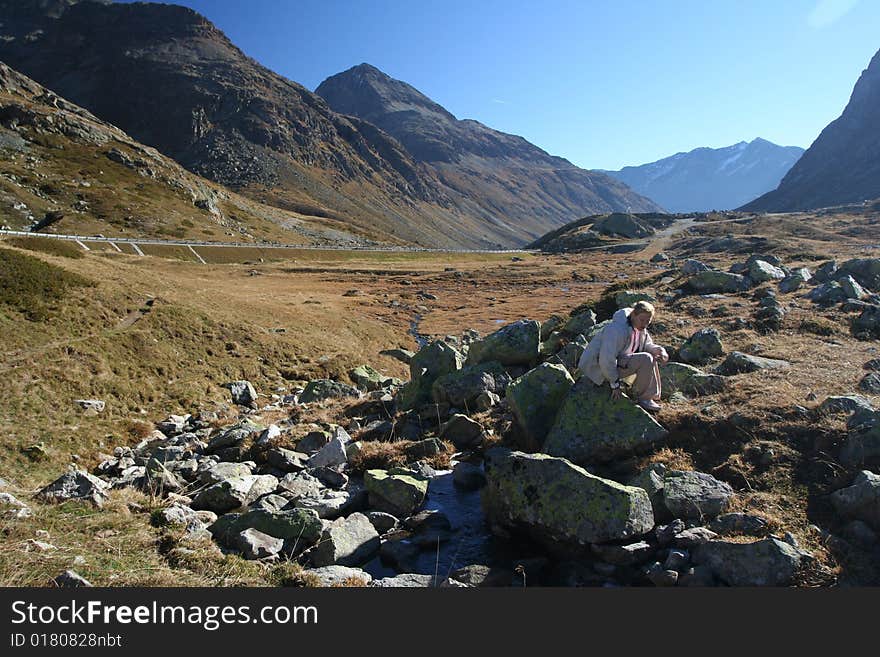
{"type": "Point", "coordinates": [712, 178]}
{"type": "Point", "coordinates": [843, 164]}
{"type": "Point", "coordinates": [501, 177]}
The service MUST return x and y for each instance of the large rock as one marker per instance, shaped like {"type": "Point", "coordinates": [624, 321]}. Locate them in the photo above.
{"type": "Point", "coordinates": [300, 525]}
{"type": "Point", "coordinates": [254, 544]}
{"type": "Point", "coordinates": [330, 455]}
{"type": "Point", "coordinates": [795, 280]}
{"type": "Point", "coordinates": [865, 270]}
{"type": "Point", "coordinates": [761, 272]}
{"type": "Point", "coordinates": [233, 493]}
{"type": "Point", "coordinates": [75, 485]}
{"type": "Point", "coordinates": [692, 266]}
{"type": "Point", "coordinates": [628, 298]}
{"type": "Point", "coordinates": [557, 501]}
{"type": "Point", "coordinates": [861, 501]}
{"type": "Point", "coordinates": [591, 427]}
{"type": "Point", "coordinates": [429, 364]}
{"type": "Point", "coordinates": [223, 471]}
{"type": "Point", "coordinates": [243, 393]}
{"type": "Point", "coordinates": [868, 322]}
{"type": "Point", "coordinates": [862, 445]}
{"type": "Point", "coordinates": [368, 379]}
{"type": "Point", "coordinates": [827, 294]}
{"type": "Point", "coordinates": [851, 288]}
{"type": "Point", "coordinates": [346, 542]}
{"type": "Point", "coordinates": [397, 492]}
{"type": "Point", "coordinates": [405, 580]}
{"type": "Point", "coordinates": [769, 562]}
{"type": "Point", "coordinates": [339, 576]}
{"type": "Point", "coordinates": [462, 431]}
{"type": "Point", "coordinates": [714, 282]}
{"type": "Point", "coordinates": [701, 347]}
{"type": "Point", "coordinates": [462, 387]}
{"type": "Point", "coordinates": [695, 495]}
{"type": "Point", "coordinates": [319, 389]}
{"type": "Point", "coordinates": [515, 344]}
{"type": "Point", "coordinates": [535, 398]}
{"type": "Point", "coordinates": [689, 381]}
{"type": "Point", "coordinates": [580, 323]}
{"type": "Point", "coordinates": [740, 363]}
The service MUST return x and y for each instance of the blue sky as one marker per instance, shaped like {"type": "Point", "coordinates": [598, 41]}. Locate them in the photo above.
{"type": "Point", "coordinates": [604, 84]}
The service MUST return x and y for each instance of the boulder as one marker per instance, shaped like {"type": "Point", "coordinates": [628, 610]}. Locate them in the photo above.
{"type": "Point", "coordinates": [70, 579]}
{"type": "Point", "coordinates": [383, 522]}
{"type": "Point", "coordinates": [695, 495]}
{"type": "Point", "coordinates": [591, 427]}
{"type": "Point", "coordinates": [405, 580]}
{"type": "Point", "coordinates": [552, 325]}
{"type": "Point", "coordinates": [739, 523]}
{"type": "Point", "coordinates": [851, 288]}
{"type": "Point", "coordinates": [558, 501]}
{"type": "Point", "coordinates": [714, 282]}
{"type": "Point", "coordinates": [346, 542]}
{"type": "Point", "coordinates": [515, 344]}
{"type": "Point", "coordinates": [462, 432]}
{"type": "Point", "coordinates": [366, 378]}
{"type": "Point", "coordinates": [867, 323]}
{"type": "Point", "coordinates": [218, 472]}
{"type": "Point", "coordinates": [651, 481]}
{"type": "Point", "coordinates": [870, 383]}
{"type": "Point", "coordinates": [861, 500]}
{"type": "Point", "coordinates": [286, 460]}
{"type": "Point", "coordinates": [536, 397]}
{"type": "Point", "coordinates": [480, 575]}
{"type": "Point", "coordinates": [254, 544]}
{"type": "Point", "coordinates": [300, 525]}
{"type": "Point", "coordinates": [571, 353]}
{"type": "Point", "coordinates": [339, 576]}
{"type": "Point", "coordinates": [825, 272]}
{"type": "Point", "coordinates": [769, 562]}
{"type": "Point", "coordinates": [864, 270]}
{"type": "Point", "coordinates": [468, 476]}
{"type": "Point", "coordinates": [795, 280]}
{"type": "Point", "coordinates": [701, 347]}
{"type": "Point", "coordinates": [761, 272]}
{"type": "Point", "coordinates": [242, 392]}
{"type": "Point", "coordinates": [624, 555]}
{"type": "Point", "coordinates": [659, 257]}
{"type": "Point", "coordinates": [394, 491]}
{"type": "Point", "coordinates": [628, 298]}
{"type": "Point", "coordinates": [580, 323]}
{"type": "Point", "coordinates": [740, 363]}
{"type": "Point", "coordinates": [233, 493]}
{"type": "Point", "coordinates": [403, 355]}
{"type": "Point", "coordinates": [75, 485]}
{"type": "Point", "coordinates": [689, 381]}
{"type": "Point", "coordinates": [424, 449]}
{"type": "Point", "coordinates": [429, 364]}
{"type": "Point", "coordinates": [462, 387]}
{"type": "Point", "coordinates": [330, 455]}
{"type": "Point", "coordinates": [692, 266]}
{"type": "Point", "coordinates": [319, 389]}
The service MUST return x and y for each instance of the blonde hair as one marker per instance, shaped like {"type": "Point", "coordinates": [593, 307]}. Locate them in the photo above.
{"type": "Point", "coordinates": [643, 307]}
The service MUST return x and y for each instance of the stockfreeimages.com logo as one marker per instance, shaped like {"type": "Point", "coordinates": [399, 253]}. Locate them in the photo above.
{"type": "Point", "coordinates": [210, 617]}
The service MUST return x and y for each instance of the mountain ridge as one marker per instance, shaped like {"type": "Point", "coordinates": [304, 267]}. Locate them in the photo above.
{"type": "Point", "coordinates": [706, 178]}
{"type": "Point", "coordinates": [843, 164]}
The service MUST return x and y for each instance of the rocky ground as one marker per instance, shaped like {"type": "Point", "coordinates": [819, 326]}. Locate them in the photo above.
{"type": "Point", "coordinates": [759, 470]}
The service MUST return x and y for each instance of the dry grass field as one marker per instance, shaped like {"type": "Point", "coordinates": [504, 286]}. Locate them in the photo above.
{"type": "Point", "coordinates": [155, 335]}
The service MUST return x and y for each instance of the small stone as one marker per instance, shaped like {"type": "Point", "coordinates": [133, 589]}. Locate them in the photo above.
{"type": "Point", "coordinates": [69, 579]}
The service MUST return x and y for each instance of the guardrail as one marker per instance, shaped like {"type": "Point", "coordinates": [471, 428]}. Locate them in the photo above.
{"type": "Point", "coordinates": [252, 245]}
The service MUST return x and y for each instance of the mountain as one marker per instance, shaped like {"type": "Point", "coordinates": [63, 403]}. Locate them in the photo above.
{"type": "Point", "coordinates": [843, 164]}
{"type": "Point", "coordinates": [173, 81]}
{"type": "Point", "coordinates": [712, 178]}
{"type": "Point", "coordinates": [503, 177]}
{"type": "Point", "coordinates": [65, 170]}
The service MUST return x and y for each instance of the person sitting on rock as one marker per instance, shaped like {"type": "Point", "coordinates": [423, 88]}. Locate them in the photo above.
{"type": "Point", "coordinates": [624, 348]}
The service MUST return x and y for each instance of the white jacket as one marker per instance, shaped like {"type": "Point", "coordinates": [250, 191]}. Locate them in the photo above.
{"type": "Point", "coordinates": [599, 360]}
